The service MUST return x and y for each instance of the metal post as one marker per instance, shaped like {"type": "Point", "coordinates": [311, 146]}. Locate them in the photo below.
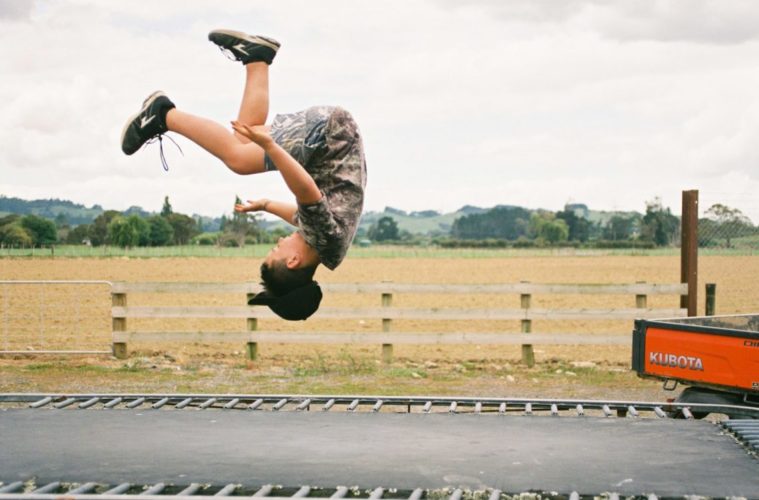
{"type": "Point", "coordinates": [119, 324]}
{"type": "Point", "coordinates": [252, 324]}
{"type": "Point", "coordinates": [387, 349]}
{"type": "Point", "coordinates": [689, 251]}
{"type": "Point", "coordinates": [528, 355]}
{"type": "Point", "coordinates": [711, 299]}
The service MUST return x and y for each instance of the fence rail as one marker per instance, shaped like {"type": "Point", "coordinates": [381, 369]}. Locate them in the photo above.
{"type": "Point", "coordinates": [121, 312]}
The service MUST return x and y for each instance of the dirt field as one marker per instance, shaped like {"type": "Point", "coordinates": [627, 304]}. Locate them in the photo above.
{"type": "Point", "coordinates": [588, 371]}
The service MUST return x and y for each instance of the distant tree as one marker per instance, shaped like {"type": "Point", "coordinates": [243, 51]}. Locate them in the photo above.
{"type": "Point", "coordinates": [658, 224]}
{"type": "Point", "coordinates": [620, 227]}
{"type": "Point", "coordinates": [728, 222]}
{"type": "Point", "coordinates": [546, 227]}
{"type": "Point", "coordinates": [507, 223]}
{"type": "Point", "coordinates": [61, 221]}
{"type": "Point", "coordinates": [14, 235]}
{"type": "Point", "coordinates": [185, 228]}
{"type": "Point", "coordinates": [129, 231]}
{"type": "Point", "coordinates": [166, 210]}
{"type": "Point", "coordinates": [161, 232]}
{"type": "Point", "coordinates": [579, 227]}
{"type": "Point", "coordinates": [79, 234]}
{"type": "Point", "coordinates": [241, 226]}
{"type": "Point", "coordinates": [99, 228]}
{"type": "Point", "coordinates": [385, 229]}
{"type": "Point", "coordinates": [42, 231]}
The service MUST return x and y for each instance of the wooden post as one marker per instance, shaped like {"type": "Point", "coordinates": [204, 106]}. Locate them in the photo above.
{"type": "Point", "coordinates": [711, 299]}
{"type": "Point", "coordinates": [119, 325]}
{"type": "Point", "coordinates": [387, 349]}
{"type": "Point", "coordinates": [689, 251]}
{"type": "Point", "coordinates": [641, 300]}
{"type": "Point", "coordinates": [252, 325]}
{"type": "Point", "coordinates": [528, 355]}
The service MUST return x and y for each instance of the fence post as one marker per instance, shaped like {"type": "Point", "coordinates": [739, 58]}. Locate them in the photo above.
{"type": "Point", "coordinates": [252, 325]}
{"type": "Point", "coordinates": [641, 300]}
{"type": "Point", "coordinates": [711, 299]}
{"type": "Point", "coordinates": [119, 324]}
{"type": "Point", "coordinates": [528, 355]}
{"type": "Point", "coordinates": [387, 349]}
{"type": "Point", "coordinates": [689, 250]}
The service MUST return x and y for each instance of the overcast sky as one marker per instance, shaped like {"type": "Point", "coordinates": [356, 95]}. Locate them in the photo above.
{"type": "Point", "coordinates": [483, 102]}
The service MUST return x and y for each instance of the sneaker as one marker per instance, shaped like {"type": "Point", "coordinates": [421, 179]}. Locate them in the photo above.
{"type": "Point", "coordinates": [148, 123]}
{"type": "Point", "coordinates": [243, 47]}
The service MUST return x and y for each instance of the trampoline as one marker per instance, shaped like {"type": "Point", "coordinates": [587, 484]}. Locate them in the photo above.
{"type": "Point", "coordinates": [108, 445]}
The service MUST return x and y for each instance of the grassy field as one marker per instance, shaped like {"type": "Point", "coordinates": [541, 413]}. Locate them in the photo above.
{"type": "Point", "coordinates": [562, 371]}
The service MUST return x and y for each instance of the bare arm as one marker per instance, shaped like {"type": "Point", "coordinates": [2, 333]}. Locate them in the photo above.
{"type": "Point", "coordinates": [300, 182]}
{"type": "Point", "coordinates": [283, 210]}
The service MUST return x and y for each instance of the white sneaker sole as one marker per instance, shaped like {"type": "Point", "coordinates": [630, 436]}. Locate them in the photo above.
{"type": "Point", "coordinates": [272, 44]}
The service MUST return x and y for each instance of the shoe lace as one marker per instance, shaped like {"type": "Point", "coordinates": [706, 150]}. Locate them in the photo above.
{"type": "Point", "coordinates": [228, 54]}
{"type": "Point", "coordinates": [159, 138]}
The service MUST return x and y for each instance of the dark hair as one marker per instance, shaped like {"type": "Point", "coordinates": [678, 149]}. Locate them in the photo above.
{"type": "Point", "coordinates": [278, 279]}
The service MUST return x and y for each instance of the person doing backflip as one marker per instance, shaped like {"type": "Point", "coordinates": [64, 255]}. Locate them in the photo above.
{"type": "Point", "coordinates": [318, 152]}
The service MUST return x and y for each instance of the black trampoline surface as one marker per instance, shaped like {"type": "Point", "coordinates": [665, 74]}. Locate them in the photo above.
{"type": "Point", "coordinates": [588, 455]}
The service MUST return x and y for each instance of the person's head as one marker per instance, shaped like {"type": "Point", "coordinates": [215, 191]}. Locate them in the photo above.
{"type": "Point", "coordinates": [289, 265]}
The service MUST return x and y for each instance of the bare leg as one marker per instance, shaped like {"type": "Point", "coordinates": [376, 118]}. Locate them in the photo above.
{"type": "Point", "coordinates": [255, 98]}
{"type": "Point", "coordinates": [240, 158]}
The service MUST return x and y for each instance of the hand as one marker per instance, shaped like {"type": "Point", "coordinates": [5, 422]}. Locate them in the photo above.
{"type": "Point", "coordinates": [256, 133]}
{"type": "Point", "coordinates": [252, 206]}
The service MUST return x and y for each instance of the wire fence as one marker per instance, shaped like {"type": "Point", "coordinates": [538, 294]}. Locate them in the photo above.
{"type": "Point", "coordinates": [56, 317]}
{"type": "Point", "coordinates": [728, 220]}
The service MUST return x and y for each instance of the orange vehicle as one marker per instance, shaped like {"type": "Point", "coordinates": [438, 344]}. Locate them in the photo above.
{"type": "Point", "coordinates": [716, 356]}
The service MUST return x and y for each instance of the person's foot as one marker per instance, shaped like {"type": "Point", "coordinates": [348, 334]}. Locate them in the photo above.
{"type": "Point", "coordinates": [245, 48]}
{"type": "Point", "coordinates": [148, 123]}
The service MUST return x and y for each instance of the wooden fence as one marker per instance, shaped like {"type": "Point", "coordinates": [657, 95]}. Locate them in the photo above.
{"type": "Point", "coordinates": [121, 312]}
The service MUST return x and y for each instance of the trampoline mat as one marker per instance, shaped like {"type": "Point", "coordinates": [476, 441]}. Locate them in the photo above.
{"type": "Point", "coordinates": [589, 455]}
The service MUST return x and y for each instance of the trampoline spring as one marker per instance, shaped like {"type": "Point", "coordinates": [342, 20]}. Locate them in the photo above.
{"type": "Point", "coordinates": [580, 411]}
{"type": "Point", "coordinates": [495, 495]}
{"type": "Point", "coordinates": [353, 405]}
{"type": "Point", "coordinates": [205, 404]}
{"type": "Point", "coordinates": [554, 410]}
{"type": "Point", "coordinates": [302, 492]}
{"type": "Point", "coordinates": [376, 493]}
{"type": "Point", "coordinates": [113, 402]}
{"type": "Point", "coordinates": [278, 406]}
{"type": "Point", "coordinates": [88, 403]}
{"type": "Point", "coordinates": [427, 407]}
{"type": "Point", "coordinates": [686, 413]}
{"type": "Point", "coordinates": [502, 410]}
{"type": "Point", "coordinates": [231, 404]}
{"type": "Point", "coordinates": [12, 487]}
{"type": "Point", "coordinates": [48, 488]}
{"type": "Point", "coordinates": [158, 404]}
{"type": "Point", "coordinates": [304, 405]}
{"type": "Point", "coordinates": [478, 407]}
{"type": "Point", "coordinates": [340, 492]}
{"type": "Point", "coordinates": [190, 490]}
{"type": "Point", "coordinates": [137, 402]}
{"type": "Point", "coordinates": [416, 494]}
{"type": "Point", "coordinates": [63, 404]}
{"type": "Point", "coordinates": [456, 495]}
{"type": "Point", "coordinates": [606, 410]}
{"type": "Point", "coordinates": [183, 403]}
{"type": "Point", "coordinates": [255, 404]}
{"type": "Point", "coordinates": [528, 409]}
{"type": "Point", "coordinates": [118, 489]}
{"type": "Point", "coordinates": [226, 491]}
{"type": "Point", "coordinates": [85, 488]}
{"type": "Point", "coordinates": [377, 405]}
{"type": "Point", "coordinates": [452, 408]}
{"type": "Point", "coordinates": [42, 402]}
{"type": "Point", "coordinates": [631, 411]}
{"type": "Point", "coordinates": [329, 404]}
{"type": "Point", "coordinates": [154, 490]}
{"type": "Point", "coordinates": [659, 412]}
{"type": "Point", "coordinates": [264, 491]}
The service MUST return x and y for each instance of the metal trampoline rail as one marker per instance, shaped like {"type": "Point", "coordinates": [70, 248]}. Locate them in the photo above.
{"type": "Point", "coordinates": [407, 404]}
